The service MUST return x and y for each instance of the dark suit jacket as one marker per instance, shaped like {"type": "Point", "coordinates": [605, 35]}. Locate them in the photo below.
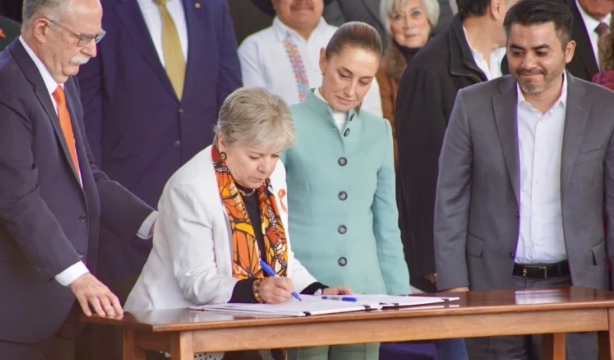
{"type": "Point", "coordinates": [368, 11]}
{"type": "Point", "coordinates": [139, 131]}
{"type": "Point", "coordinates": [11, 9]}
{"type": "Point", "coordinates": [478, 189]}
{"type": "Point", "coordinates": [426, 97]}
{"type": "Point", "coordinates": [9, 31]}
{"type": "Point", "coordinates": [583, 65]}
{"type": "Point", "coordinates": [48, 222]}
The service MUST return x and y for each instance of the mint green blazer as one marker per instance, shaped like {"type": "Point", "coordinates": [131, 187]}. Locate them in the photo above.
{"type": "Point", "coordinates": [343, 218]}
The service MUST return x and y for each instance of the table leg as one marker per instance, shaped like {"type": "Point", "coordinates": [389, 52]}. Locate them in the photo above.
{"type": "Point", "coordinates": [606, 339]}
{"type": "Point", "coordinates": [181, 346]}
{"type": "Point", "coordinates": [553, 347]}
{"type": "Point", "coordinates": [131, 351]}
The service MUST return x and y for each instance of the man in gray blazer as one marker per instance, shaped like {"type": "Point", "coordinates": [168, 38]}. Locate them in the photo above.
{"type": "Point", "coordinates": [526, 175]}
{"type": "Point", "coordinates": [368, 11]}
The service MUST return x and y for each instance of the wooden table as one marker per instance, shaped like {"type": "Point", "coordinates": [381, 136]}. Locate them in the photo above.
{"type": "Point", "coordinates": [552, 312]}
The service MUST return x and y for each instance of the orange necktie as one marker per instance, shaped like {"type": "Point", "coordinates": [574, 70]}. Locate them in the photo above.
{"type": "Point", "coordinates": [60, 97]}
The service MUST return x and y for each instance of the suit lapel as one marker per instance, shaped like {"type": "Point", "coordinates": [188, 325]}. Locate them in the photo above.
{"type": "Point", "coordinates": [79, 141]}
{"type": "Point", "coordinates": [134, 23]}
{"type": "Point", "coordinates": [33, 75]}
{"type": "Point", "coordinates": [196, 51]}
{"type": "Point", "coordinates": [576, 114]}
{"type": "Point", "coordinates": [504, 105]}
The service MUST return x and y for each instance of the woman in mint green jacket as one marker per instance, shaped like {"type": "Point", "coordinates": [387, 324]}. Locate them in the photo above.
{"type": "Point", "coordinates": [341, 189]}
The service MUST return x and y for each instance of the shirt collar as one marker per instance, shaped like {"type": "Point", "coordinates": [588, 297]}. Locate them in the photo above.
{"type": "Point", "coordinates": [50, 82]}
{"type": "Point", "coordinates": [283, 31]}
{"type": "Point", "coordinates": [562, 100]}
{"type": "Point", "coordinates": [499, 52]}
{"type": "Point", "coordinates": [317, 92]}
{"type": "Point", "coordinates": [589, 22]}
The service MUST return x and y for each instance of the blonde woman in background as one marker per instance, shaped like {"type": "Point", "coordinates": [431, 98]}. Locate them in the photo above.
{"type": "Point", "coordinates": [409, 24]}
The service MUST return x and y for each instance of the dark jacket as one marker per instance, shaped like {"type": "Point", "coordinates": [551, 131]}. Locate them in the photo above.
{"type": "Point", "coordinates": [583, 65]}
{"type": "Point", "coordinates": [140, 132]}
{"type": "Point", "coordinates": [48, 220]}
{"type": "Point", "coordinates": [11, 9]}
{"type": "Point", "coordinates": [9, 31]}
{"type": "Point", "coordinates": [426, 97]}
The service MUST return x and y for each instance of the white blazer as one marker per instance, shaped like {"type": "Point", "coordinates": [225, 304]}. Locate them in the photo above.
{"type": "Point", "coordinates": [191, 260]}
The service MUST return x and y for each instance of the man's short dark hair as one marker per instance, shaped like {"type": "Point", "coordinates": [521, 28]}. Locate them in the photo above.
{"type": "Point", "coordinates": [469, 8]}
{"type": "Point", "coordinates": [536, 12]}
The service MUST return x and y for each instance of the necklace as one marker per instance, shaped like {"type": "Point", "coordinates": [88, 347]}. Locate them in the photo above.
{"type": "Point", "coordinates": [246, 194]}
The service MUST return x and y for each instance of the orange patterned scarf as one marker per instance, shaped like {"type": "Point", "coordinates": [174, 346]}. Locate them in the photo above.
{"type": "Point", "coordinates": [246, 254]}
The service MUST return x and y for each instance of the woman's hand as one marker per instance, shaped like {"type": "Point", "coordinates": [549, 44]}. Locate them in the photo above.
{"type": "Point", "coordinates": [275, 290]}
{"type": "Point", "coordinates": [337, 290]}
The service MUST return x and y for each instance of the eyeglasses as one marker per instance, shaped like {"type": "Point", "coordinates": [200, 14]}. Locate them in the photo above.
{"type": "Point", "coordinates": [82, 39]}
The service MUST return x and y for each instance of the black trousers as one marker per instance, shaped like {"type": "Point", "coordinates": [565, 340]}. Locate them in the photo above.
{"type": "Point", "coordinates": [61, 346]}
{"type": "Point", "coordinates": [51, 349]}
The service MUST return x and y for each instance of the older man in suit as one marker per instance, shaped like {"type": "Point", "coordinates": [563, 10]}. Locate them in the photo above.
{"type": "Point", "coordinates": [526, 164]}
{"type": "Point", "coordinates": [52, 197]}
{"type": "Point", "coordinates": [591, 21]}
{"type": "Point", "coordinates": [368, 11]}
{"type": "Point", "coordinates": [152, 96]}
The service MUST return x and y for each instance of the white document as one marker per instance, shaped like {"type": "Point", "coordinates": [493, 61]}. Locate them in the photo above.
{"type": "Point", "coordinates": [311, 305]}
{"type": "Point", "coordinates": [388, 301]}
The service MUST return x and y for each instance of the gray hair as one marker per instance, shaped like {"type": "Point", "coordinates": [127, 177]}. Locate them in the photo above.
{"type": "Point", "coordinates": [431, 9]}
{"type": "Point", "coordinates": [33, 8]}
{"type": "Point", "coordinates": [254, 116]}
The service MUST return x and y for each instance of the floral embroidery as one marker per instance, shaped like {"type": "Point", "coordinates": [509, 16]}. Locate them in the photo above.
{"type": "Point", "coordinates": [302, 82]}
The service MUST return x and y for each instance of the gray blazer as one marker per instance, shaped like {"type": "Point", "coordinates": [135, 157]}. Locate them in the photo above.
{"type": "Point", "coordinates": [476, 210]}
{"type": "Point", "coordinates": [368, 11]}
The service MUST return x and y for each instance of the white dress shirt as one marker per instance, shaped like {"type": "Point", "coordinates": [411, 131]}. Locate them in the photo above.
{"type": "Point", "coordinates": [153, 20]}
{"type": "Point", "coordinates": [265, 63]}
{"type": "Point", "coordinates": [491, 69]}
{"type": "Point", "coordinates": [69, 275]}
{"type": "Point", "coordinates": [540, 143]}
{"type": "Point", "coordinates": [591, 24]}
{"type": "Point", "coordinates": [339, 117]}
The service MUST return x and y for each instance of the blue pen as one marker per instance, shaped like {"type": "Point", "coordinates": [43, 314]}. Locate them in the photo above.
{"type": "Point", "coordinates": [340, 298]}
{"type": "Point", "coordinates": [272, 273]}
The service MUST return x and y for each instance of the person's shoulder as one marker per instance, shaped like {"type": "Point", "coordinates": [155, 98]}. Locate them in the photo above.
{"type": "Point", "coordinates": [194, 174]}
{"type": "Point", "coordinates": [487, 89]}
{"type": "Point", "coordinates": [596, 92]}
{"type": "Point", "coordinates": [299, 111]}
{"type": "Point", "coordinates": [376, 126]}
{"type": "Point", "coordinates": [435, 55]}
{"type": "Point", "coordinates": [11, 76]}
{"type": "Point", "coordinates": [265, 34]}
{"type": "Point", "coordinates": [258, 39]}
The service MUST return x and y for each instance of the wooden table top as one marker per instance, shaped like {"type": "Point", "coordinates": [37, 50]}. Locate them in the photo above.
{"type": "Point", "coordinates": [471, 303]}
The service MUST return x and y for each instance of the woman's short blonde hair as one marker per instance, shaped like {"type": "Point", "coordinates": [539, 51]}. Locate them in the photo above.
{"type": "Point", "coordinates": [431, 9]}
{"type": "Point", "coordinates": [254, 116]}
